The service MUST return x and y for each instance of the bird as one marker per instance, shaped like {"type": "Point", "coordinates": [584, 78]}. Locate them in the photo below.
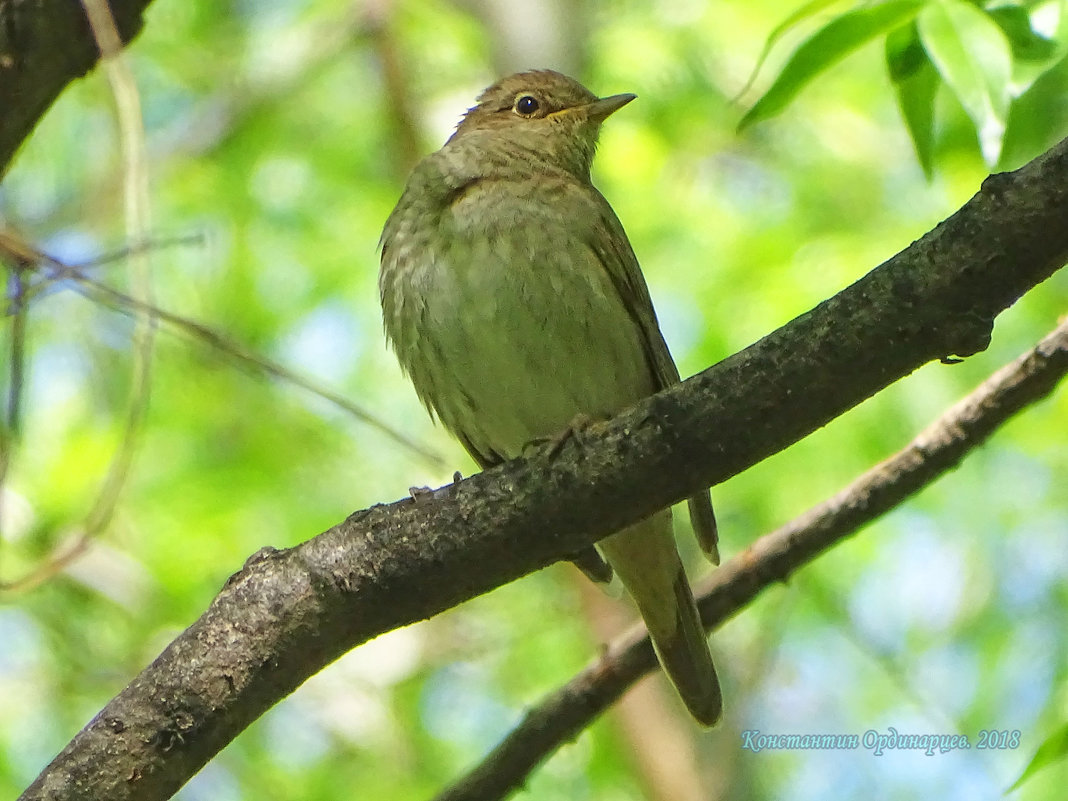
{"type": "Point", "coordinates": [514, 302]}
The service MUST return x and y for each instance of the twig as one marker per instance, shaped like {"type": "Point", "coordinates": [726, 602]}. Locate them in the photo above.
{"type": "Point", "coordinates": [377, 18]}
{"type": "Point", "coordinates": [135, 195]}
{"type": "Point", "coordinates": [199, 331]}
{"type": "Point", "coordinates": [214, 338]}
{"type": "Point", "coordinates": [10, 427]}
{"type": "Point", "coordinates": [51, 280]}
{"type": "Point", "coordinates": [18, 352]}
{"type": "Point", "coordinates": [561, 715]}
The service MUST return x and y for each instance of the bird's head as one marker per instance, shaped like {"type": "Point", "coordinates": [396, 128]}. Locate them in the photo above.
{"type": "Point", "coordinates": [542, 115]}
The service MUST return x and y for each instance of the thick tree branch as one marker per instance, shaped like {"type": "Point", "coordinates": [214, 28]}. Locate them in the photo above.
{"type": "Point", "coordinates": [289, 613]}
{"type": "Point", "coordinates": [44, 45]}
{"type": "Point", "coordinates": [563, 714]}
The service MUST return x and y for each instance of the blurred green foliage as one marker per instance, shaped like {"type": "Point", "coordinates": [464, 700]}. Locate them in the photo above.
{"type": "Point", "coordinates": [279, 136]}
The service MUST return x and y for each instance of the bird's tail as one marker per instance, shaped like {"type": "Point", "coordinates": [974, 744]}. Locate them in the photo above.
{"type": "Point", "coordinates": [646, 560]}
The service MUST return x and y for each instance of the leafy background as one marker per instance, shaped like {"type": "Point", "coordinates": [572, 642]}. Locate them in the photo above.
{"type": "Point", "coordinates": [280, 134]}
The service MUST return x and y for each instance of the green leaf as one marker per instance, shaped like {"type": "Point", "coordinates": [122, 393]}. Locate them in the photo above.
{"type": "Point", "coordinates": [807, 10]}
{"type": "Point", "coordinates": [904, 52]}
{"type": "Point", "coordinates": [916, 83]}
{"type": "Point", "coordinates": [1054, 749]}
{"type": "Point", "coordinates": [974, 58]}
{"type": "Point", "coordinates": [826, 47]}
{"type": "Point", "coordinates": [1038, 117]}
{"type": "Point", "coordinates": [1027, 45]}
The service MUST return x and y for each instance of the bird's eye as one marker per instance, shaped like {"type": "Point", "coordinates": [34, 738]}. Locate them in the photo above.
{"type": "Point", "coordinates": [526, 105]}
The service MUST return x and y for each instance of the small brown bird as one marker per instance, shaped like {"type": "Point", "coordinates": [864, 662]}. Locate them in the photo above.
{"type": "Point", "coordinates": [515, 304]}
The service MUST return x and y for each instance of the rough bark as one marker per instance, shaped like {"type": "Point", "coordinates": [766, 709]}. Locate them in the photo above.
{"type": "Point", "coordinates": [44, 45]}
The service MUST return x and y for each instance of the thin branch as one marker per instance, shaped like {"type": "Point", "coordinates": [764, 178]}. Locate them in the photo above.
{"type": "Point", "coordinates": [201, 332]}
{"type": "Point", "coordinates": [563, 714]}
{"type": "Point", "coordinates": [12, 424]}
{"type": "Point", "coordinates": [16, 379]}
{"type": "Point", "coordinates": [216, 339]}
{"type": "Point", "coordinates": [289, 613]}
{"type": "Point", "coordinates": [49, 281]}
{"type": "Point", "coordinates": [20, 260]}
{"type": "Point", "coordinates": [55, 563]}
{"type": "Point", "coordinates": [136, 202]}
{"type": "Point", "coordinates": [407, 149]}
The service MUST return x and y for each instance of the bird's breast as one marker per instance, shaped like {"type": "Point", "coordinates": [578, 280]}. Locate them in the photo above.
{"type": "Point", "coordinates": [507, 322]}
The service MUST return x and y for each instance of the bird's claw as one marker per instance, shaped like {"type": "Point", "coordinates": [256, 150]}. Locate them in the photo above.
{"type": "Point", "coordinates": [422, 494]}
{"type": "Point", "coordinates": [555, 443]}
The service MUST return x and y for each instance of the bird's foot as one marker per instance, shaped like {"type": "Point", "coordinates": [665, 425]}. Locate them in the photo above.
{"type": "Point", "coordinates": [555, 443]}
{"type": "Point", "coordinates": [421, 494]}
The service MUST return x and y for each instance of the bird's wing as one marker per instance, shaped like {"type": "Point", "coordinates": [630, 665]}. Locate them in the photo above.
{"type": "Point", "coordinates": [609, 242]}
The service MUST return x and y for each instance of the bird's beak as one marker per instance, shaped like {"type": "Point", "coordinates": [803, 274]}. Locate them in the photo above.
{"type": "Point", "coordinates": [599, 109]}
